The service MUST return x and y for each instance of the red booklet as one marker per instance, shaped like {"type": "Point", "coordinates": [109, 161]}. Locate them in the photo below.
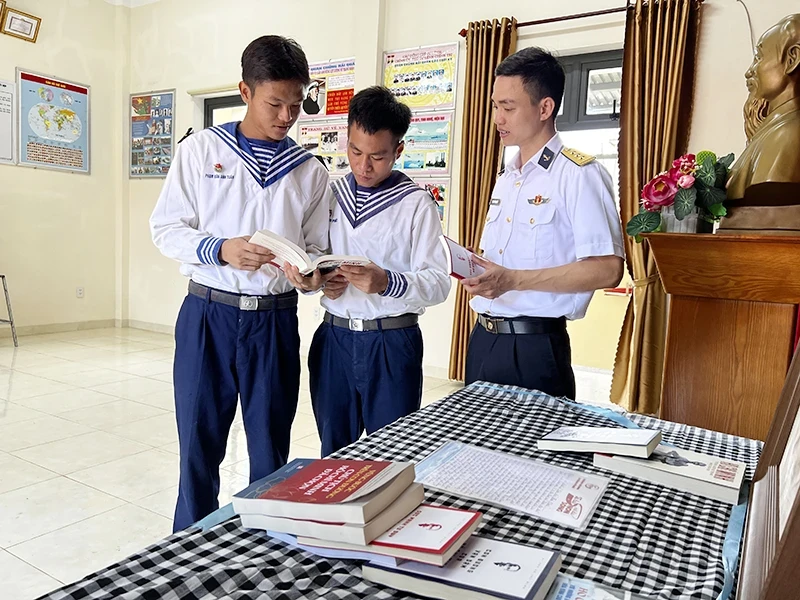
{"type": "Point", "coordinates": [461, 261]}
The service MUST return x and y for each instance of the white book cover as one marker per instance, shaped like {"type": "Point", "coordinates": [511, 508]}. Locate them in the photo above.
{"type": "Point", "coordinates": [496, 568]}
{"type": "Point", "coordinates": [600, 435]}
{"type": "Point", "coordinates": [288, 538]}
{"type": "Point", "coordinates": [462, 261]}
{"type": "Point", "coordinates": [428, 529]}
{"type": "Point", "coordinates": [694, 465]}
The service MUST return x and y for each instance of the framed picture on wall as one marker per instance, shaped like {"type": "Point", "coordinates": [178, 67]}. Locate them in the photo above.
{"type": "Point", "coordinates": [19, 24]}
{"type": "Point", "coordinates": [152, 135]}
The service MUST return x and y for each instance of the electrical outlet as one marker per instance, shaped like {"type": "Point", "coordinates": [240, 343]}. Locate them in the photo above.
{"type": "Point", "coordinates": [79, 292]}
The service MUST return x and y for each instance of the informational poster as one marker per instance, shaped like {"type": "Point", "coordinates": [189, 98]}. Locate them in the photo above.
{"type": "Point", "coordinates": [427, 150]}
{"type": "Point", "coordinates": [332, 86]}
{"type": "Point", "coordinates": [328, 140]}
{"type": "Point", "coordinates": [423, 78]}
{"type": "Point", "coordinates": [7, 93]}
{"type": "Point", "coordinates": [53, 123]}
{"type": "Point", "coordinates": [152, 133]}
{"type": "Point", "coordinates": [439, 188]}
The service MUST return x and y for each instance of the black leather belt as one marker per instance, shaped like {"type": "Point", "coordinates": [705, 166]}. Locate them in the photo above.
{"type": "Point", "coordinates": [522, 325]}
{"type": "Point", "coordinates": [242, 302]}
{"type": "Point", "coordinates": [374, 325]}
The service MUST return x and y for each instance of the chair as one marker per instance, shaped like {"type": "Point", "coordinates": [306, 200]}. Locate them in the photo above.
{"type": "Point", "coordinates": [10, 319]}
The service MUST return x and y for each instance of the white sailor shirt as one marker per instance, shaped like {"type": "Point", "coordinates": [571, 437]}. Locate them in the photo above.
{"type": "Point", "coordinates": [216, 190]}
{"type": "Point", "coordinates": [396, 225]}
{"type": "Point", "coordinates": [556, 209]}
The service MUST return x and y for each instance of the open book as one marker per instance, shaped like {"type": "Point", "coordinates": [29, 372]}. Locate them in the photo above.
{"type": "Point", "coordinates": [462, 261]}
{"type": "Point", "coordinates": [286, 251]}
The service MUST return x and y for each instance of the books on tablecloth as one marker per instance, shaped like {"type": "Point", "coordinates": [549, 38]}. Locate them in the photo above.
{"type": "Point", "coordinates": [430, 534]}
{"type": "Point", "coordinates": [287, 251]}
{"type": "Point", "coordinates": [701, 474]}
{"type": "Point", "coordinates": [483, 569]}
{"type": "Point", "coordinates": [608, 440]}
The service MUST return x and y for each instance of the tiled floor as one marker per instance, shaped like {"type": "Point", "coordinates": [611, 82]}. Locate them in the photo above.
{"type": "Point", "coordinates": [89, 452]}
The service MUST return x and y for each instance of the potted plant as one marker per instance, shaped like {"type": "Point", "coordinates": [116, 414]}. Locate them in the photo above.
{"type": "Point", "coordinates": [678, 200]}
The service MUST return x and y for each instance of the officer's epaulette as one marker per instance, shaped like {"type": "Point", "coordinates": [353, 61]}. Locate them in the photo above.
{"type": "Point", "coordinates": [579, 158]}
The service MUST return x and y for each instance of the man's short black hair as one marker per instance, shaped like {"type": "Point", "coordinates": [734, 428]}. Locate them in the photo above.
{"type": "Point", "coordinates": [274, 58]}
{"type": "Point", "coordinates": [542, 75]}
{"type": "Point", "coordinates": [375, 109]}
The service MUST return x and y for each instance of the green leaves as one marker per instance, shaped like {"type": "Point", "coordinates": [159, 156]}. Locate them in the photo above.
{"type": "Point", "coordinates": [685, 203]}
{"type": "Point", "coordinates": [644, 222]}
{"type": "Point", "coordinates": [706, 172]}
{"type": "Point", "coordinates": [718, 210]}
{"type": "Point", "coordinates": [726, 161]}
{"type": "Point", "coordinates": [708, 196]}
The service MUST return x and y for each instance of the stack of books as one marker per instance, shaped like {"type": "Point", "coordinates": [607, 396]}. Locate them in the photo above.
{"type": "Point", "coordinates": [639, 453]}
{"type": "Point", "coordinates": [348, 501]}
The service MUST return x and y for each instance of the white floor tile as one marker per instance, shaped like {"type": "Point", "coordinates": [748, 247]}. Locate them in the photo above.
{"type": "Point", "coordinates": [149, 369]}
{"type": "Point", "coordinates": [16, 473]}
{"type": "Point", "coordinates": [39, 430]}
{"type": "Point", "coordinates": [15, 393]}
{"type": "Point", "coordinates": [37, 509]}
{"type": "Point", "coordinates": [11, 412]}
{"type": "Point", "coordinates": [132, 477]}
{"type": "Point", "coordinates": [62, 402]}
{"type": "Point", "coordinates": [134, 388]}
{"type": "Point", "coordinates": [80, 452]}
{"type": "Point", "coordinates": [21, 581]}
{"type": "Point", "coordinates": [72, 552]}
{"type": "Point", "coordinates": [162, 502]}
{"type": "Point", "coordinates": [165, 400]}
{"type": "Point", "coordinates": [93, 377]}
{"type": "Point", "coordinates": [110, 415]}
{"type": "Point", "coordinates": [156, 431]}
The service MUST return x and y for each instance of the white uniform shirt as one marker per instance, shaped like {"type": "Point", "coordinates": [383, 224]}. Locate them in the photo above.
{"type": "Point", "coordinates": [215, 190]}
{"type": "Point", "coordinates": [548, 212]}
{"type": "Point", "coordinates": [397, 227]}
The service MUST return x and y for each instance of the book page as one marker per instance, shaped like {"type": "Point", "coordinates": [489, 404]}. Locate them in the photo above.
{"type": "Point", "coordinates": [283, 249]}
{"type": "Point", "coordinates": [533, 487]}
{"type": "Point", "coordinates": [789, 474]}
{"type": "Point", "coordinates": [611, 435]}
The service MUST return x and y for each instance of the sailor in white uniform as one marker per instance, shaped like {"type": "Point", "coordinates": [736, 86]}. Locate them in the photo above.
{"type": "Point", "coordinates": [552, 237]}
{"type": "Point", "coordinates": [236, 334]}
{"type": "Point", "coordinates": [365, 361]}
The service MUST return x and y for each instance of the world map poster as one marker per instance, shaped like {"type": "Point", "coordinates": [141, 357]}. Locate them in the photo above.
{"type": "Point", "coordinates": [53, 122]}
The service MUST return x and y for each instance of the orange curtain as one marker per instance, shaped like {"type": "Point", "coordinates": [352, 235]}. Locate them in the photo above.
{"type": "Point", "coordinates": [488, 43]}
{"type": "Point", "coordinates": [657, 89]}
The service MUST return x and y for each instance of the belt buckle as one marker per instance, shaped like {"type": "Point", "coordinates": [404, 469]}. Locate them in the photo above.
{"type": "Point", "coordinates": [490, 326]}
{"type": "Point", "coordinates": [356, 324]}
{"type": "Point", "coordinates": [248, 303]}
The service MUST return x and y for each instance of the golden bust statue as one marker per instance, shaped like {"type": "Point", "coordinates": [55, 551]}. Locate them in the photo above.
{"type": "Point", "coordinates": [767, 174]}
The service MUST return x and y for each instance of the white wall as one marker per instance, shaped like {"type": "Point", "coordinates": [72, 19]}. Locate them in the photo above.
{"type": "Point", "coordinates": [57, 229]}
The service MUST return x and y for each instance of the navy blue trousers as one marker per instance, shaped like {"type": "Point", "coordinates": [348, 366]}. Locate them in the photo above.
{"type": "Point", "coordinates": [362, 380]}
{"type": "Point", "coordinates": [537, 361]}
{"type": "Point", "coordinates": [222, 354]}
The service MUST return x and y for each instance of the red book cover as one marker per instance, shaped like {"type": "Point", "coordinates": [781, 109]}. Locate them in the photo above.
{"type": "Point", "coordinates": [333, 481]}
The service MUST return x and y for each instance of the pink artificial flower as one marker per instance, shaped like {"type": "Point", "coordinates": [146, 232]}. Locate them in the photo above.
{"type": "Point", "coordinates": [686, 164]}
{"type": "Point", "coordinates": [659, 192]}
{"type": "Point", "coordinates": [686, 181]}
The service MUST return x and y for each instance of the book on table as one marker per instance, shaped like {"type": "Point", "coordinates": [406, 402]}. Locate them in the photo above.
{"type": "Point", "coordinates": [352, 533]}
{"type": "Point", "coordinates": [607, 440]}
{"type": "Point", "coordinates": [286, 251]}
{"type": "Point", "coordinates": [484, 569]}
{"type": "Point", "coordinates": [694, 472]}
{"type": "Point", "coordinates": [461, 260]}
{"type": "Point", "coordinates": [430, 534]}
{"type": "Point", "coordinates": [333, 491]}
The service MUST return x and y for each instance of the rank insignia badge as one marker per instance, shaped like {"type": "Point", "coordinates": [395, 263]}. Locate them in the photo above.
{"type": "Point", "coordinates": [538, 199]}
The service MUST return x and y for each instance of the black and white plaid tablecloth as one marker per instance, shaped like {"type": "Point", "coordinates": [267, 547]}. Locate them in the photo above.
{"type": "Point", "coordinates": [645, 538]}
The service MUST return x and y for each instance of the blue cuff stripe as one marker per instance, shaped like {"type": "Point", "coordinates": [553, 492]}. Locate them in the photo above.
{"type": "Point", "coordinates": [397, 286]}
{"type": "Point", "coordinates": [208, 250]}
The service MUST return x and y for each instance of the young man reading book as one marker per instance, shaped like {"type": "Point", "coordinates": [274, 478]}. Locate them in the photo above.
{"type": "Point", "coordinates": [365, 361]}
{"type": "Point", "coordinates": [236, 334]}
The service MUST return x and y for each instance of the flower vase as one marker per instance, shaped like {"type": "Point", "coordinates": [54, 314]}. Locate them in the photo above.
{"type": "Point", "coordinates": [671, 224]}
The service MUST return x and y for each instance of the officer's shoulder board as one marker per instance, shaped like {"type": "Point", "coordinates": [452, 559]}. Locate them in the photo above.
{"type": "Point", "coordinates": [579, 158]}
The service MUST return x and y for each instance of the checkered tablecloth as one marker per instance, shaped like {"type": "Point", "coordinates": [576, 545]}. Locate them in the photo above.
{"type": "Point", "coordinates": [644, 538]}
